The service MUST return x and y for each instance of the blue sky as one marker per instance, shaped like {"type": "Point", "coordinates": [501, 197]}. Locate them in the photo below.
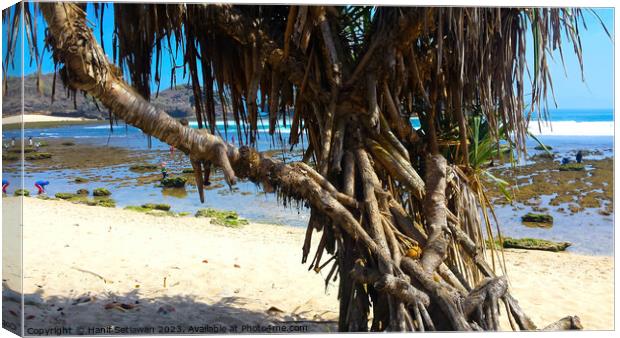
{"type": "Point", "coordinates": [570, 91]}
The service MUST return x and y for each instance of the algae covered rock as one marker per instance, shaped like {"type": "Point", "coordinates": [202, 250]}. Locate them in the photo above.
{"type": "Point", "coordinates": [10, 157]}
{"type": "Point", "coordinates": [174, 182]}
{"type": "Point", "coordinates": [188, 171]}
{"type": "Point", "coordinates": [225, 218]}
{"type": "Point", "coordinates": [143, 167]}
{"type": "Point", "coordinates": [21, 192]}
{"type": "Point", "coordinates": [537, 218]}
{"type": "Point", "coordinates": [68, 143]}
{"type": "Point", "coordinates": [104, 202]}
{"type": "Point", "coordinates": [572, 167]}
{"type": "Point", "coordinates": [137, 208]}
{"type": "Point", "coordinates": [82, 192]}
{"type": "Point", "coordinates": [535, 244]}
{"type": "Point", "coordinates": [64, 195]}
{"type": "Point", "coordinates": [101, 192]}
{"type": "Point", "coordinates": [38, 156]}
{"type": "Point", "coordinates": [542, 147]}
{"type": "Point", "coordinates": [157, 206]}
{"type": "Point", "coordinates": [80, 180]}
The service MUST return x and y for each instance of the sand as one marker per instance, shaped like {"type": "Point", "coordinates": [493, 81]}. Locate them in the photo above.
{"type": "Point", "coordinates": [185, 271]}
{"type": "Point", "coordinates": [28, 118]}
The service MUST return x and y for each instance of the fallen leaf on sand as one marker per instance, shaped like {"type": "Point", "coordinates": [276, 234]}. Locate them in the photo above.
{"type": "Point", "coordinates": [83, 300]}
{"type": "Point", "coordinates": [237, 266]}
{"type": "Point", "coordinates": [119, 306]}
{"type": "Point", "coordinates": [275, 309]}
{"type": "Point", "coordinates": [205, 261]}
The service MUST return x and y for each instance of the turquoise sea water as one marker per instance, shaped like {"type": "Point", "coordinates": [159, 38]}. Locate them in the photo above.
{"type": "Point", "coordinates": [248, 200]}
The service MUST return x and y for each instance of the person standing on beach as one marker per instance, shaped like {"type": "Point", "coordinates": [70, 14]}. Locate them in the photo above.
{"type": "Point", "coordinates": [164, 172]}
{"type": "Point", "coordinates": [579, 156]}
{"type": "Point", "coordinates": [30, 141]}
{"type": "Point", "coordinates": [13, 142]}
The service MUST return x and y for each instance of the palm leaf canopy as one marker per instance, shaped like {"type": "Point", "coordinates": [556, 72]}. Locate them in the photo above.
{"type": "Point", "coordinates": [438, 64]}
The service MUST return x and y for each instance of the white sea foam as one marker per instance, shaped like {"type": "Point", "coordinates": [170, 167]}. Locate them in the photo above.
{"type": "Point", "coordinates": [103, 126]}
{"type": "Point", "coordinates": [555, 128]}
{"type": "Point", "coordinates": [573, 128]}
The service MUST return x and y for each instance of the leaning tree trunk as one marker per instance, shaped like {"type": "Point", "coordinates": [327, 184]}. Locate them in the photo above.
{"type": "Point", "coordinates": [398, 219]}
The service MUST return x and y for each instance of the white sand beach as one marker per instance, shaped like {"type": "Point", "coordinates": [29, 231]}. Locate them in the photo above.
{"type": "Point", "coordinates": [184, 271]}
{"type": "Point", "coordinates": [28, 118]}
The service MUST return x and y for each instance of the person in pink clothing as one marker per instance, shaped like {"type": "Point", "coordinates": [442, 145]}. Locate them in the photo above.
{"type": "Point", "coordinates": [5, 184]}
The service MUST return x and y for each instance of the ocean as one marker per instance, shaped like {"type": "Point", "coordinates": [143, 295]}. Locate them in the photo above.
{"type": "Point", "coordinates": [568, 131]}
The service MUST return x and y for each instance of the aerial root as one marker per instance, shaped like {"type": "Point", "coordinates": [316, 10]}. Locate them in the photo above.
{"type": "Point", "coordinates": [566, 323]}
{"type": "Point", "coordinates": [197, 166]}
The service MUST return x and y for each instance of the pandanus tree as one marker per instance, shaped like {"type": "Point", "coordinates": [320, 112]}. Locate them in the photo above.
{"type": "Point", "coordinates": [399, 213]}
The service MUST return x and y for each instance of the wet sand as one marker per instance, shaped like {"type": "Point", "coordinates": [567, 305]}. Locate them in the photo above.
{"type": "Point", "coordinates": [185, 271]}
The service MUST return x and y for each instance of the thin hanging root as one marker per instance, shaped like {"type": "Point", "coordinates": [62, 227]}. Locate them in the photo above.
{"type": "Point", "coordinates": [426, 317]}
{"type": "Point", "coordinates": [524, 322]}
{"type": "Point", "coordinates": [316, 261]}
{"type": "Point", "coordinates": [206, 166]}
{"type": "Point", "coordinates": [418, 318]}
{"type": "Point", "coordinates": [566, 323]}
{"type": "Point", "coordinates": [196, 165]}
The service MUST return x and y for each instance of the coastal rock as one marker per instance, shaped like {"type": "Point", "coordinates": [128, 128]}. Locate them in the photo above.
{"type": "Point", "coordinates": [101, 192]}
{"type": "Point", "coordinates": [10, 157]}
{"type": "Point", "coordinates": [80, 180]}
{"type": "Point", "coordinates": [157, 206]}
{"type": "Point", "coordinates": [535, 244]}
{"type": "Point", "coordinates": [572, 167]}
{"type": "Point", "coordinates": [64, 195]}
{"type": "Point", "coordinates": [542, 147]}
{"type": "Point", "coordinates": [38, 156]}
{"type": "Point", "coordinates": [537, 218]}
{"type": "Point", "coordinates": [225, 218]}
{"type": "Point", "coordinates": [82, 192]}
{"type": "Point", "coordinates": [21, 192]}
{"type": "Point", "coordinates": [103, 202]}
{"type": "Point", "coordinates": [174, 182]}
{"type": "Point", "coordinates": [143, 167]}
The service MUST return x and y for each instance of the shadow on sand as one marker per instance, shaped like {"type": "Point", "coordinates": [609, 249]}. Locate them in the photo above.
{"type": "Point", "coordinates": [132, 313]}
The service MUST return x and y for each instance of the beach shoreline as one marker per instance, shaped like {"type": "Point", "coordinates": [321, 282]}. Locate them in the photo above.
{"type": "Point", "coordinates": [32, 118]}
{"type": "Point", "coordinates": [32, 121]}
{"type": "Point", "coordinates": [185, 271]}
